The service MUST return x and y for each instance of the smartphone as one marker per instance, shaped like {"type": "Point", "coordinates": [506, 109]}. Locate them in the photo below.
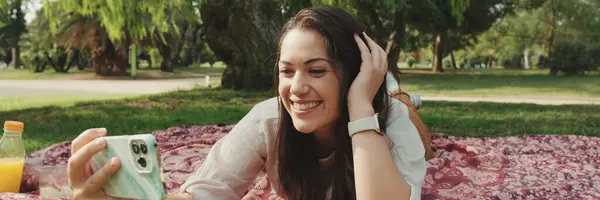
{"type": "Point", "coordinates": [140, 175]}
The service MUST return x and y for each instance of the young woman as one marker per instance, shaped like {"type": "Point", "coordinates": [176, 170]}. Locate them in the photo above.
{"type": "Point", "coordinates": [318, 139]}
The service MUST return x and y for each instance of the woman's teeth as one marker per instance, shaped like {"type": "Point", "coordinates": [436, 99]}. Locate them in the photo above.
{"type": "Point", "coordinates": [306, 106]}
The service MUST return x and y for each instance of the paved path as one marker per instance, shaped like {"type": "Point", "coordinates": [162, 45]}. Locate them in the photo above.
{"type": "Point", "coordinates": [14, 88]}
{"type": "Point", "coordinates": [19, 88]}
{"type": "Point", "coordinates": [555, 100]}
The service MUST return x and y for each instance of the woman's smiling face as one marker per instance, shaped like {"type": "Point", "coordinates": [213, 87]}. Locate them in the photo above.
{"type": "Point", "coordinates": [308, 85]}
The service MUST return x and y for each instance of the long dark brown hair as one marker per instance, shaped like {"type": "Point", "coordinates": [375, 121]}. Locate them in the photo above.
{"type": "Point", "coordinates": [300, 173]}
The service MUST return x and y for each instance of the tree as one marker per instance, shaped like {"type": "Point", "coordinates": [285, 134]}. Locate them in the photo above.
{"type": "Point", "coordinates": [249, 54]}
{"type": "Point", "coordinates": [514, 37]}
{"type": "Point", "coordinates": [538, 25]}
{"type": "Point", "coordinates": [4, 13]}
{"type": "Point", "coordinates": [12, 27]}
{"type": "Point", "coordinates": [572, 25]}
{"type": "Point", "coordinates": [242, 35]}
{"type": "Point", "coordinates": [575, 20]}
{"type": "Point", "coordinates": [111, 28]}
{"type": "Point", "coordinates": [455, 24]}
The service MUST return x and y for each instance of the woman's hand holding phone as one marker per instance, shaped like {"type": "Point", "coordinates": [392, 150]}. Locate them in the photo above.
{"type": "Point", "coordinates": [85, 183]}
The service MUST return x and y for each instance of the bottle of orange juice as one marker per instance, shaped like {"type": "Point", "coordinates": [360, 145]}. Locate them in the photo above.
{"type": "Point", "coordinates": [12, 157]}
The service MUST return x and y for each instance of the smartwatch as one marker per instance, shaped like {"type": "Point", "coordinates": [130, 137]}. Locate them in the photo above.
{"type": "Point", "coordinates": [364, 124]}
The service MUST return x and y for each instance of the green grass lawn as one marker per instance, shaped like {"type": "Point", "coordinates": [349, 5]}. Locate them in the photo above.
{"type": "Point", "coordinates": [499, 82]}
{"type": "Point", "coordinates": [48, 125]}
{"type": "Point", "coordinates": [19, 103]}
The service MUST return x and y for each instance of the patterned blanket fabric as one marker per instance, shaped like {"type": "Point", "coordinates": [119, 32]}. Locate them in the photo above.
{"type": "Point", "coordinates": [519, 167]}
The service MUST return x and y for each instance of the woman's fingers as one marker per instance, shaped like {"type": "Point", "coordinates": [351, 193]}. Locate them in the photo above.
{"type": "Point", "coordinates": [365, 54]}
{"type": "Point", "coordinates": [384, 61]}
{"type": "Point", "coordinates": [375, 52]}
{"type": "Point", "coordinates": [86, 137]}
{"type": "Point", "coordinates": [94, 184]}
{"type": "Point", "coordinates": [78, 161]}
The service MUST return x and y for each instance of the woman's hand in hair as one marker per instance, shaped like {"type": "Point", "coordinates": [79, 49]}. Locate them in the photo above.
{"type": "Point", "coordinates": [372, 74]}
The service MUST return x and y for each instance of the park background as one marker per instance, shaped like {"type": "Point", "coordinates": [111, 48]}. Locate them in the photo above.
{"type": "Point", "coordinates": [484, 68]}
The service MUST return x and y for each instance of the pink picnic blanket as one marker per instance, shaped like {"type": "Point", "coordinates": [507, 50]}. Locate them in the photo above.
{"type": "Point", "coordinates": [520, 167]}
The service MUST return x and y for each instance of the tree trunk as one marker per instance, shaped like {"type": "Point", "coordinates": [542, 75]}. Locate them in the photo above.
{"type": "Point", "coordinates": [394, 45]}
{"type": "Point", "coordinates": [526, 58]}
{"type": "Point", "coordinates": [40, 64]}
{"type": "Point", "coordinates": [73, 59]}
{"type": "Point", "coordinates": [51, 62]}
{"type": "Point", "coordinates": [16, 57]}
{"type": "Point", "coordinates": [167, 63]}
{"type": "Point", "coordinates": [242, 35]}
{"type": "Point", "coordinates": [176, 57]}
{"type": "Point", "coordinates": [106, 61]}
{"type": "Point", "coordinates": [165, 52]}
{"type": "Point", "coordinates": [7, 58]}
{"type": "Point", "coordinates": [550, 39]}
{"type": "Point", "coordinates": [190, 53]}
{"type": "Point", "coordinates": [437, 55]}
{"type": "Point", "coordinates": [453, 60]}
{"type": "Point", "coordinates": [489, 64]}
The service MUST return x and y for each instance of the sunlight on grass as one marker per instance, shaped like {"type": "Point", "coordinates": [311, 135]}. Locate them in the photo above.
{"type": "Point", "coordinates": [49, 125]}
{"type": "Point", "coordinates": [18, 103]}
{"type": "Point", "coordinates": [13, 74]}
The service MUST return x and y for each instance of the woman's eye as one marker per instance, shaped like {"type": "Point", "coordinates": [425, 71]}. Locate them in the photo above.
{"type": "Point", "coordinates": [317, 71]}
{"type": "Point", "coordinates": [285, 71]}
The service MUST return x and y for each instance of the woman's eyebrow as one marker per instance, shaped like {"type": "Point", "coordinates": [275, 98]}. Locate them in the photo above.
{"type": "Point", "coordinates": [315, 60]}
{"type": "Point", "coordinates": [312, 60]}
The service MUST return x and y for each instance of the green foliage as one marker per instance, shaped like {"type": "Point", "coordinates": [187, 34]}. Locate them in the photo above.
{"type": "Point", "coordinates": [121, 18]}
{"type": "Point", "coordinates": [207, 56]}
{"type": "Point", "coordinates": [527, 31]}
{"type": "Point", "coordinates": [411, 61]}
{"type": "Point", "coordinates": [575, 58]}
{"type": "Point", "coordinates": [579, 21]}
{"type": "Point", "coordinates": [38, 39]}
{"type": "Point", "coordinates": [155, 55]}
{"type": "Point", "coordinates": [291, 7]}
{"type": "Point", "coordinates": [4, 14]}
{"type": "Point", "coordinates": [12, 22]}
{"type": "Point", "coordinates": [458, 7]}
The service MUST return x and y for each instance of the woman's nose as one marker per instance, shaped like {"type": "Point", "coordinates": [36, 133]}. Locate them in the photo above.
{"type": "Point", "coordinates": [299, 85]}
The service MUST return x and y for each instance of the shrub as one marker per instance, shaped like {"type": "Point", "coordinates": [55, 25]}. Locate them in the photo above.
{"type": "Point", "coordinates": [574, 58]}
{"type": "Point", "coordinates": [411, 62]}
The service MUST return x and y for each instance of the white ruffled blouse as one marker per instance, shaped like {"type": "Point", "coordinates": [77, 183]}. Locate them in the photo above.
{"type": "Point", "coordinates": [235, 160]}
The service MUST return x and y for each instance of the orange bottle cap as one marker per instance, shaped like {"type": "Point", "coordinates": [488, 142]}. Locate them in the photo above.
{"type": "Point", "coordinates": [14, 126]}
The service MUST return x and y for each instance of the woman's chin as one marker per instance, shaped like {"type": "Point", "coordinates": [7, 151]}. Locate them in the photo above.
{"type": "Point", "coordinates": [304, 128]}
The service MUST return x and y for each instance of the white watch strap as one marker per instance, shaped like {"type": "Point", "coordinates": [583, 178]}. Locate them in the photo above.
{"type": "Point", "coordinates": [369, 123]}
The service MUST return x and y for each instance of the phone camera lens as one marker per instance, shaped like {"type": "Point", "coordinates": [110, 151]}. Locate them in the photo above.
{"type": "Point", "coordinates": [142, 162]}
{"type": "Point", "coordinates": [144, 148]}
{"type": "Point", "coordinates": [135, 148]}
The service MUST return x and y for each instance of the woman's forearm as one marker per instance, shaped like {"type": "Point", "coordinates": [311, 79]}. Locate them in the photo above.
{"type": "Point", "coordinates": [376, 175]}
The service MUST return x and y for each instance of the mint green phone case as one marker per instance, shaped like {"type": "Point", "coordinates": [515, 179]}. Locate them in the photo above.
{"type": "Point", "coordinates": [140, 175]}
